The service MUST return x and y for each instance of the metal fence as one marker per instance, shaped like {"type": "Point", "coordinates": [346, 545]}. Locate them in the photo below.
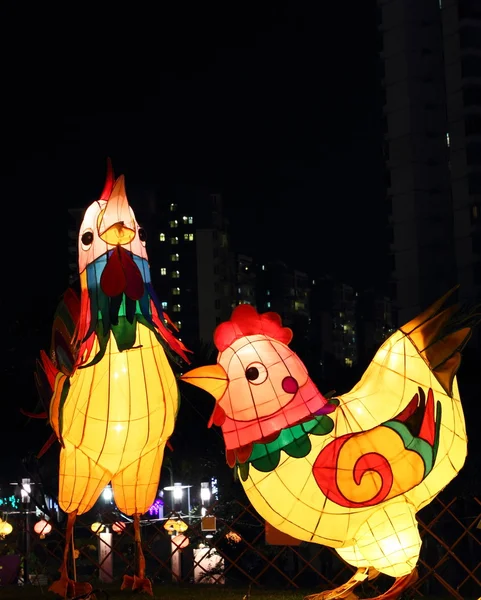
{"type": "Point", "coordinates": [233, 551]}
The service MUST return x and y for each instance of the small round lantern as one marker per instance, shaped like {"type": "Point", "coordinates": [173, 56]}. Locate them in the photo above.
{"type": "Point", "coordinates": [118, 526]}
{"type": "Point", "coordinates": [97, 527]}
{"type": "Point", "coordinates": [42, 528]}
{"type": "Point", "coordinates": [181, 541]}
{"type": "Point", "coordinates": [5, 528]}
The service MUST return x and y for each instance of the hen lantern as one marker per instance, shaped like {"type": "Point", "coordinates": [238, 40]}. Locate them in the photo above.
{"type": "Point", "coordinates": [113, 397]}
{"type": "Point", "coordinates": [348, 472]}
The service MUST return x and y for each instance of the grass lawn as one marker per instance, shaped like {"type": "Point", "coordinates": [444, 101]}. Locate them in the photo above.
{"type": "Point", "coordinates": [172, 592]}
{"type": "Point", "coordinates": [161, 592]}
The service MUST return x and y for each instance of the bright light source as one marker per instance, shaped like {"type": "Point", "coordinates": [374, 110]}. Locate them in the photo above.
{"type": "Point", "coordinates": [177, 491]}
{"type": "Point", "coordinates": [107, 494]}
{"type": "Point", "coordinates": [25, 490]}
{"type": "Point", "coordinates": [205, 491]}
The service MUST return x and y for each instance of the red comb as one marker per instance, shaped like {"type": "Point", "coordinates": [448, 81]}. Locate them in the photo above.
{"type": "Point", "coordinates": [245, 320]}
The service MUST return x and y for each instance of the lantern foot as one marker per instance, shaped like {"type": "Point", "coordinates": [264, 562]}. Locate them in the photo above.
{"type": "Point", "coordinates": [345, 591]}
{"type": "Point", "coordinates": [66, 587]}
{"type": "Point", "coordinates": [137, 584]}
{"type": "Point", "coordinates": [399, 586]}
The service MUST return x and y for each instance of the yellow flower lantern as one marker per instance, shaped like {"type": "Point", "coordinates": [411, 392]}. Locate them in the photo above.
{"type": "Point", "coordinates": [349, 472]}
{"type": "Point", "coordinates": [175, 525]}
{"type": "Point", "coordinates": [108, 376]}
{"type": "Point", "coordinates": [97, 528]}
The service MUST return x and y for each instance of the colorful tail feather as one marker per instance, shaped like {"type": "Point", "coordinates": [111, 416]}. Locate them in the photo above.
{"type": "Point", "coordinates": [61, 358]}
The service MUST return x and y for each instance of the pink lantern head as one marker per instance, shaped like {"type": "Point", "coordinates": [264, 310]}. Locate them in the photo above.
{"type": "Point", "coordinates": [180, 540]}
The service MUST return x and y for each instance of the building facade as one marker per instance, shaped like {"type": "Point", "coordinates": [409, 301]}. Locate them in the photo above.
{"type": "Point", "coordinates": [431, 64]}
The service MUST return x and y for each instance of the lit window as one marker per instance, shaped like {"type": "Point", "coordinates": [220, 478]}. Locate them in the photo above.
{"type": "Point", "coordinates": [189, 237]}
{"type": "Point", "coordinates": [178, 324]}
{"type": "Point", "coordinates": [174, 223]}
{"type": "Point", "coordinates": [174, 240]}
{"type": "Point", "coordinates": [173, 207]}
{"type": "Point", "coordinates": [188, 220]}
{"type": "Point", "coordinates": [162, 237]}
{"type": "Point", "coordinates": [191, 220]}
{"type": "Point", "coordinates": [176, 308]}
{"type": "Point", "coordinates": [263, 267]}
{"type": "Point", "coordinates": [268, 292]}
{"type": "Point", "coordinates": [163, 271]}
{"type": "Point", "coordinates": [348, 362]}
{"type": "Point", "coordinates": [174, 257]}
{"type": "Point", "coordinates": [164, 304]}
{"type": "Point", "coordinates": [448, 141]}
{"type": "Point", "coordinates": [176, 291]}
{"type": "Point", "coordinates": [175, 274]}
{"type": "Point", "coordinates": [268, 304]}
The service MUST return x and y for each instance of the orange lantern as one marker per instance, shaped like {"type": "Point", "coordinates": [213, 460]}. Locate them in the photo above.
{"type": "Point", "coordinates": [348, 472]}
{"type": "Point", "coordinates": [108, 377]}
{"type": "Point", "coordinates": [181, 541]}
{"type": "Point", "coordinates": [42, 528]}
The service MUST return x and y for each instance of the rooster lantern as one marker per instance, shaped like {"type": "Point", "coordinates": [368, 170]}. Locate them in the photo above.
{"type": "Point", "coordinates": [112, 394]}
{"type": "Point", "coordinates": [349, 472]}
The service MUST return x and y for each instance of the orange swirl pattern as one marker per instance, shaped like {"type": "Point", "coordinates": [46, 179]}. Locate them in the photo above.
{"type": "Point", "coordinates": [366, 468]}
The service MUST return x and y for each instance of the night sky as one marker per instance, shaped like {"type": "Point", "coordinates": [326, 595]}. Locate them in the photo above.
{"type": "Point", "coordinates": [275, 104]}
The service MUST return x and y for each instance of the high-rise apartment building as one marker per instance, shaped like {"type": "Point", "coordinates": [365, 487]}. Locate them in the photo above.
{"type": "Point", "coordinates": [461, 24]}
{"type": "Point", "coordinates": [333, 324]}
{"type": "Point", "coordinates": [431, 55]}
{"type": "Point", "coordinates": [192, 264]}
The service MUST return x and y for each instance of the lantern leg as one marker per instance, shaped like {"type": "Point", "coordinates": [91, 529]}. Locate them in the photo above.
{"type": "Point", "coordinates": [66, 587]}
{"type": "Point", "coordinates": [138, 582]}
{"type": "Point", "coordinates": [346, 590]}
{"type": "Point", "coordinates": [399, 586]}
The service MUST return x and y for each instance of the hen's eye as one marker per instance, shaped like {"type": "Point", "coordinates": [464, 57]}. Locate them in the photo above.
{"type": "Point", "coordinates": [256, 373]}
{"type": "Point", "coordinates": [142, 234]}
{"type": "Point", "coordinates": [87, 238]}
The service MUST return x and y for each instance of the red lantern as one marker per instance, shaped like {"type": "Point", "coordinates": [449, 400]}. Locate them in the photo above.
{"type": "Point", "coordinates": [118, 526]}
{"type": "Point", "coordinates": [43, 528]}
{"type": "Point", "coordinates": [181, 541]}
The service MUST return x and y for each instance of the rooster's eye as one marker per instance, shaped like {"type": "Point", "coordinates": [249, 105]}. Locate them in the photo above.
{"type": "Point", "coordinates": [252, 373]}
{"type": "Point", "coordinates": [87, 239]}
{"type": "Point", "coordinates": [256, 373]}
{"type": "Point", "coordinates": [142, 234]}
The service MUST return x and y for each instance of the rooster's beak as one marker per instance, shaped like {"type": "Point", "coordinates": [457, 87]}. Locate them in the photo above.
{"type": "Point", "coordinates": [211, 378]}
{"type": "Point", "coordinates": [116, 226]}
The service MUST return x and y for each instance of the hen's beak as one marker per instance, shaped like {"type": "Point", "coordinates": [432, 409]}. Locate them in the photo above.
{"type": "Point", "coordinates": [211, 378]}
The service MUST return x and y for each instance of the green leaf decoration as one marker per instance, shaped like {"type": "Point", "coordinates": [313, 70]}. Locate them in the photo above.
{"type": "Point", "coordinates": [294, 441]}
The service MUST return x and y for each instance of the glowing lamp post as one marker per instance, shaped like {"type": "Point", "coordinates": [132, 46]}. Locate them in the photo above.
{"type": "Point", "coordinates": [178, 541]}
{"type": "Point", "coordinates": [177, 494]}
{"type": "Point", "coordinates": [204, 496]}
{"type": "Point", "coordinates": [25, 491]}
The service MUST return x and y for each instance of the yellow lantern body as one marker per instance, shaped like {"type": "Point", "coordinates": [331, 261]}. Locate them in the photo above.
{"type": "Point", "coordinates": [118, 432]}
